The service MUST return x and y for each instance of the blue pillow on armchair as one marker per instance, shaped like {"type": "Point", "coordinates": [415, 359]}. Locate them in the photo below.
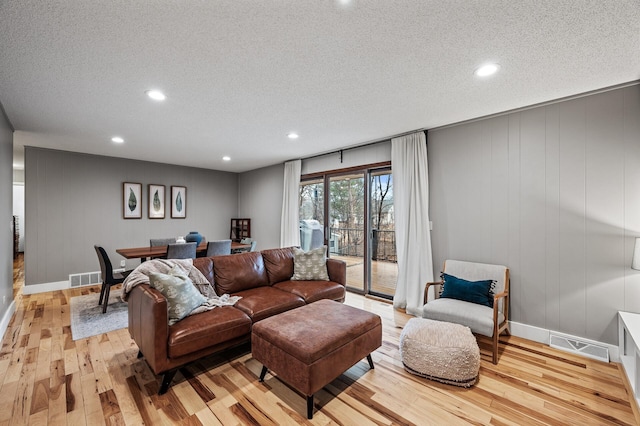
{"type": "Point", "coordinates": [480, 292]}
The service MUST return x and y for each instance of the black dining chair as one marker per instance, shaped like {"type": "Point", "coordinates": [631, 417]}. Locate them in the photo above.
{"type": "Point", "coordinates": [109, 278]}
{"type": "Point", "coordinates": [219, 247]}
{"type": "Point", "coordinates": [181, 251]}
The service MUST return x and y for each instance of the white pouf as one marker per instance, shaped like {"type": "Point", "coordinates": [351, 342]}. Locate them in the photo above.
{"type": "Point", "coordinates": [440, 351]}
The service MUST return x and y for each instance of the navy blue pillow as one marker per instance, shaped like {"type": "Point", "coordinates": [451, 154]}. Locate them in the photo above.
{"type": "Point", "coordinates": [479, 292]}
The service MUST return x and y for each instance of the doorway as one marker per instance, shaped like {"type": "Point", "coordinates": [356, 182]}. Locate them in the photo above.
{"type": "Point", "coordinates": [356, 217]}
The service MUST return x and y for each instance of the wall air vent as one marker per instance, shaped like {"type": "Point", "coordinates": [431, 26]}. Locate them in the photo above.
{"type": "Point", "coordinates": [579, 347]}
{"type": "Point", "coordinates": [85, 278]}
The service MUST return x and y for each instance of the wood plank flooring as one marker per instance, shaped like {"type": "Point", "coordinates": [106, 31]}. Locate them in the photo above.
{"type": "Point", "coordinates": [46, 378]}
{"type": "Point", "coordinates": [384, 275]}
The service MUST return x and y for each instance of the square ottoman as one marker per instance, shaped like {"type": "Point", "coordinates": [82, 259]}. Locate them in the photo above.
{"type": "Point", "coordinates": [308, 347]}
{"type": "Point", "coordinates": [440, 351]}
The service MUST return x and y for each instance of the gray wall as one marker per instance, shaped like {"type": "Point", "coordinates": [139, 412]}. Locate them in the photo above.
{"type": "Point", "coordinates": [260, 199]}
{"type": "Point", "coordinates": [73, 201]}
{"type": "Point", "coordinates": [6, 214]}
{"type": "Point", "coordinates": [552, 192]}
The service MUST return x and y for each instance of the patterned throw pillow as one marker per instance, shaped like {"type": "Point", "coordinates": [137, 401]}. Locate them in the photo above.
{"type": "Point", "coordinates": [182, 296]}
{"type": "Point", "coordinates": [310, 265]}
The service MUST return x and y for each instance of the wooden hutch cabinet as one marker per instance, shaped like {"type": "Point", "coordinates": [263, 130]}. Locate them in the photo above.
{"type": "Point", "coordinates": [240, 229]}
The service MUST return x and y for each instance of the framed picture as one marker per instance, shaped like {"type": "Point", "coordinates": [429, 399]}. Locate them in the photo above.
{"type": "Point", "coordinates": [131, 200]}
{"type": "Point", "coordinates": [156, 201]}
{"type": "Point", "coordinates": [178, 202]}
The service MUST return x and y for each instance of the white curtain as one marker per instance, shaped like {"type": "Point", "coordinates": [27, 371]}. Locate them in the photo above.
{"type": "Point", "coordinates": [289, 223]}
{"type": "Point", "coordinates": [411, 211]}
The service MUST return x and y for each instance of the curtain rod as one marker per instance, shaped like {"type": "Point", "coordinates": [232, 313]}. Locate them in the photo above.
{"type": "Point", "coordinates": [373, 142]}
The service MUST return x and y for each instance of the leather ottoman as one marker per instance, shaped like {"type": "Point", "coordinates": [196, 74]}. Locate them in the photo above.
{"type": "Point", "coordinates": [310, 346]}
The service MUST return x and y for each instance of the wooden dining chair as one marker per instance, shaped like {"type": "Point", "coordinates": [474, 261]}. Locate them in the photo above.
{"type": "Point", "coordinates": [182, 251]}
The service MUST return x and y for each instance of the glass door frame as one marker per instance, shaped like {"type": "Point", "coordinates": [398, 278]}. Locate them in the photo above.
{"type": "Point", "coordinates": [366, 171]}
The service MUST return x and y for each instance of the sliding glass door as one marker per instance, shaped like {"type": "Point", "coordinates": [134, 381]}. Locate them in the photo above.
{"type": "Point", "coordinates": [383, 260]}
{"type": "Point", "coordinates": [354, 218]}
{"type": "Point", "coordinates": [347, 230]}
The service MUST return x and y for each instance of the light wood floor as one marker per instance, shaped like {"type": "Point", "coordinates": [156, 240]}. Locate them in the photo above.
{"type": "Point", "coordinates": [46, 378]}
{"type": "Point", "coordinates": [384, 275]}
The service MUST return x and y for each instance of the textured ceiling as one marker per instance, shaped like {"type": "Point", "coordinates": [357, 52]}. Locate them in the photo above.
{"type": "Point", "coordinates": [240, 75]}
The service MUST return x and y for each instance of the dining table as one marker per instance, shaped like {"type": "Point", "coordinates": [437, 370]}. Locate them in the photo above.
{"type": "Point", "coordinates": [143, 253]}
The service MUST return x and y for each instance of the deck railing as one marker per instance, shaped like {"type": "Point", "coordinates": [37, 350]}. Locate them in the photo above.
{"type": "Point", "coordinates": [350, 242]}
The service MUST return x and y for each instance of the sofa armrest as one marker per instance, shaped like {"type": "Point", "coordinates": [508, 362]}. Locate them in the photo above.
{"type": "Point", "coordinates": [426, 289]}
{"type": "Point", "coordinates": [149, 325]}
{"type": "Point", "coordinates": [337, 270]}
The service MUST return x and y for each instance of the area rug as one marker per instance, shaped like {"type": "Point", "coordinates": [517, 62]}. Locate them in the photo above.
{"type": "Point", "coordinates": [87, 318]}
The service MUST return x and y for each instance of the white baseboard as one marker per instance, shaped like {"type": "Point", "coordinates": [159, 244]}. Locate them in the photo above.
{"type": "Point", "coordinates": [541, 335]}
{"type": "Point", "coordinates": [43, 288]}
{"type": "Point", "coordinates": [4, 323]}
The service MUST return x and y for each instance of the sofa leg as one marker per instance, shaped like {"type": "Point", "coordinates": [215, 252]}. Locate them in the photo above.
{"type": "Point", "coordinates": [263, 373]}
{"type": "Point", "coordinates": [310, 407]}
{"type": "Point", "coordinates": [166, 381]}
{"type": "Point", "coordinates": [370, 361]}
{"type": "Point", "coordinates": [496, 340]}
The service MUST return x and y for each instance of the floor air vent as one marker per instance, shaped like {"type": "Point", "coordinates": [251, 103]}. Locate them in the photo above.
{"type": "Point", "coordinates": [87, 278]}
{"type": "Point", "coordinates": [579, 347]}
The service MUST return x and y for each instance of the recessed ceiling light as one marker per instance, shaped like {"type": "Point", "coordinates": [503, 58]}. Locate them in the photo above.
{"type": "Point", "coordinates": [117, 139]}
{"type": "Point", "coordinates": [486, 70]}
{"type": "Point", "coordinates": [292, 135]}
{"type": "Point", "coordinates": [226, 158]}
{"type": "Point", "coordinates": [156, 95]}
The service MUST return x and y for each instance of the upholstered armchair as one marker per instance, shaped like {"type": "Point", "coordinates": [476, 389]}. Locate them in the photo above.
{"type": "Point", "coordinates": [464, 302]}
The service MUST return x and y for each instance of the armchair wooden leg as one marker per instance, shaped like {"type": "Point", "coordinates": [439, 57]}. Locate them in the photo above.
{"type": "Point", "coordinates": [495, 347]}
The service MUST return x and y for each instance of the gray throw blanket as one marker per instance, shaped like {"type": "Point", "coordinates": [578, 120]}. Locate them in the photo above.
{"type": "Point", "coordinates": [140, 275]}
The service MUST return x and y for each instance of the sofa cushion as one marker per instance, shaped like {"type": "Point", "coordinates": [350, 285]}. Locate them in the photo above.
{"type": "Point", "coordinates": [182, 296]}
{"type": "Point", "coordinates": [239, 272]}
{"type": "Point", "coordinates": [479, 318]}
{"type": "Point", "coordinates": [207, 329]}
{"type": "Point", "coordinates": [310, 265]}
{"type": "Point", "coordinates": [311, 291]}
{"type": "Point", "coordinates": [279, 264]}
{"type": "Point", "coordinates": [205, 266]}
{"type": "Point", "coordinates": [262, 302]}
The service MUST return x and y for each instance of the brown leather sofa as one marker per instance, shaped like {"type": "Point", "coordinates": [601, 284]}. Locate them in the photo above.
{"type": "Point", "coordinates": [262, 279]}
